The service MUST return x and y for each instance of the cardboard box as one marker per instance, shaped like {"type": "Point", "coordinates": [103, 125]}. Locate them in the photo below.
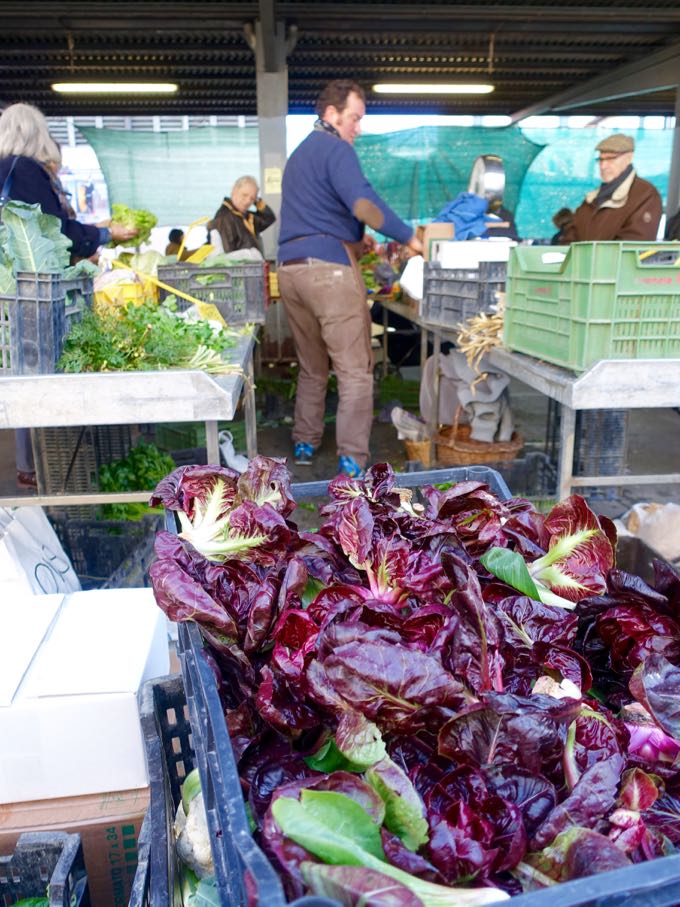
{"type": "Point", "coordinates": [469, 253]}
{"type": "Point", "coordinates": [433, 232]}
{"type": "Point", "coordinates": [69, 721]}
{"type": "Point", "coordinates": [108, 825]}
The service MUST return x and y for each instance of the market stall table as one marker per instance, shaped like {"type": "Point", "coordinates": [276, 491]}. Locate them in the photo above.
{"type": "Point", "coordinates": [123, 398]}
{"type": "Point", "coordinates": [609, 384]}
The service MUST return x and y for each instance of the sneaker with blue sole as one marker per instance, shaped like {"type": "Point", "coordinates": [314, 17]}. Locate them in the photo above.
{"type": "Point", "coordinates": [303, 454]}
{"type": "Point", "coordinates": [348, 466]}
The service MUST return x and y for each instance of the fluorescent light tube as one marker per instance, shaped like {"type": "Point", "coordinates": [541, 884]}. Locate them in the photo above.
{"type": "Point", "coordinates": [114, 87]}
{"type": "Point", "coordinates": [432, 88]}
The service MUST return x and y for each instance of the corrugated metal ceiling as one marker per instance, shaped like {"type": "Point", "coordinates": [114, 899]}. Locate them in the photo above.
{"type": "Point", "coordinates": [529, 50]}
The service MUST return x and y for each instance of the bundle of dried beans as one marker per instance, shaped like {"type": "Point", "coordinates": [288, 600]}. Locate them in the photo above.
{"type": "Point", "coordinates": [480, 334]}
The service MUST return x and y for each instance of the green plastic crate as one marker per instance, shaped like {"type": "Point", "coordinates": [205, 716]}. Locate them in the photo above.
{"type": "Point", "coordinates": [606, 300]}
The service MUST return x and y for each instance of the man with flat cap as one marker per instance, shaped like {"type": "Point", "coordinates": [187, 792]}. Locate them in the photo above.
{"type": "Point", "coordinates": [624, 207]}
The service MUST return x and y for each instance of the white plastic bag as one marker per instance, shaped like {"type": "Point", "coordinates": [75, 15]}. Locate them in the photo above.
{"type": "Point", "coordinates": [32, 559]}
{"type": "Point", "coordinates": [656, 524]}
{"type": "Point", "coordinates": [411, 280]}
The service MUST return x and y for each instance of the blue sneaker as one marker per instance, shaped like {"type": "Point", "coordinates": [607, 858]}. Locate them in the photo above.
{"type": "Point", "coordinates": [348, 466]}
{"type": "Point", "coordinates": [303, 453]}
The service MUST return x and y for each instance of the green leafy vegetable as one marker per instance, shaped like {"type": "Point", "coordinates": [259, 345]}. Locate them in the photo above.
{"type": "Point", "coordinates": [142, 468]}
{"type": "Point", "coordinates": [135, 218]}
{"type": "Point", "coordinates": [404, 810]}
{"type": "Point", "coordinates": [143, 337]}
{"type": "Point", "coordinates": [335, 832]}
{"type": "Point", "coordinates": [34, 240]}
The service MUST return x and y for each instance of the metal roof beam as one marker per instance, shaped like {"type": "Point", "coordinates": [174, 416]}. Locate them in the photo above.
{"type": "Point", "coordinates": [656, 72]}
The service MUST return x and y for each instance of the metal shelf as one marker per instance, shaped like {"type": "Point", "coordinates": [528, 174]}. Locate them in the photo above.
{"type": "Point", "coordinates": [122, 398]}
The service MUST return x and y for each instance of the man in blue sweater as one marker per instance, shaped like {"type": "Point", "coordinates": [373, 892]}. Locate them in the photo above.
{"type": "Point", "coordinates": [326, 203]}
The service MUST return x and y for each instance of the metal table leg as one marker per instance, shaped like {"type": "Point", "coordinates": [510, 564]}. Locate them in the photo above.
{"type": "Point", "coordinates": [250, 412]}
{"type": "Point", "coordinates": [385, 362]}
{"type": "Point", "coordinates": [433, 423]}
{"type": "Point", "coordinates": [212, 443]}
{"type": "Point", "coordinates": [565, 466]}
{"type": "Point", "coordinates": [423, 348]}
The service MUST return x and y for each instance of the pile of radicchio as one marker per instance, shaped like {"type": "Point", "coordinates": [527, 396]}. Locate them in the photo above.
{"type": "Point", "coordinates": [438, 703]}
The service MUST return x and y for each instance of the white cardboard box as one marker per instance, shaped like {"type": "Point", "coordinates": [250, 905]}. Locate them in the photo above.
{"type": "Point", "coordinates": [469, 253]}
{"type": "Point", "coordinates": [69, 723]}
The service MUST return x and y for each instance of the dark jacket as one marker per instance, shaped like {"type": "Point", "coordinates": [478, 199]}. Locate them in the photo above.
{"type": "Point", "coordinates": [633, 212]}
{"type": "Point", "coordinates": [31, 183]}
{"type": "Point", "coordinates": [241, 231]}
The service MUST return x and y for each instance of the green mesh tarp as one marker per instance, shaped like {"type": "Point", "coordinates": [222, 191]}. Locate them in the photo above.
{"type": "Point", "coordinates": [179, 176]}
{"type": "Point", "coordinates": [417, 171]}
{"type": "Point", "coordinates": [566, 169]}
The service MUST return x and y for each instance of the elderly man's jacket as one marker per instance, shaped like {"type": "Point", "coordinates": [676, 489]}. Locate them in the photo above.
{"type": "Point", "coordinates": [633, 212]}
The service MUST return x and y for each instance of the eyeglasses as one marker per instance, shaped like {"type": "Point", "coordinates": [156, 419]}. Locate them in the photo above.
{"type": "Point", "coordinates": [610, 157]}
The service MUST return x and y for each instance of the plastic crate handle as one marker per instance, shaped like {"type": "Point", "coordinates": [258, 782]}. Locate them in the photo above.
{"type": "Point", "coordinates": [652, 258]}
{"type": "Point", "coordinates": [206, 309]}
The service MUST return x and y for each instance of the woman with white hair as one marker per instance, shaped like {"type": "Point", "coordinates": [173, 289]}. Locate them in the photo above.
{"type": "Point", "coordinates": [29, 162]}
{"type": "Point", "coordinates": [29, 157]}
{"type": "Point", "coordinates": [236, 223]}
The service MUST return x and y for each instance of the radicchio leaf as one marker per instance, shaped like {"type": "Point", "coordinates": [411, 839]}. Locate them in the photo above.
{"type": "Point", "coordinates": [533, 794]}
{"type": "Point", "coordinates": [404, 810]}
{"type": "Point", "coordinates": [506, 729]}
{"type": "Point", "coordinates": [591, 799]}
{"type": "Point", "coordinates": [181, 597]}
{"type": "Point", "coordinates": [656, 684]}
{"type": "Point", "coordinates": [576, 853]}
{"type": "Point", "coordinates": [190, 488]}
{"type": "Point", "coordinates": [267, 481]}
{"type": "Point", "coordinates": [352, 885]}
{"type": "Point", "coordinates": [391, 684]}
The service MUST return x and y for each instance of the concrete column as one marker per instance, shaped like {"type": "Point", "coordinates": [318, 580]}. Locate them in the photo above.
{"type": "Point", "coordinates": [673, 199]}
{"type": "Point", "coordinates": [271, 46]}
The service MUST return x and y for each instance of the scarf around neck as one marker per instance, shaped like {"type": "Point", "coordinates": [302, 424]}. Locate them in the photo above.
{"type": "Point", "coordinates": [606, 190]}
{"type": "Point", "coordinates": [247, 218]}
{"type": "Point", "coordinates": [323, 126]}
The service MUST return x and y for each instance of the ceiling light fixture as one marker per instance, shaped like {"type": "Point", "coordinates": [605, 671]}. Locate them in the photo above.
{"type": "Point", "coordinates": [114, 87]}
{"type": "Point", "coordinates": [432, 88]}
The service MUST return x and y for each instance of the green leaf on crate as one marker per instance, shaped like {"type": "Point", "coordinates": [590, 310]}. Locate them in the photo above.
{"type": "Point", "coordinates": [82, 268]}
{"type": "Point", "coordinates": [35, 242]}
{"type": "Point", "coordinates": [7, 282]}
{"type": "Point", "coordinates": [33, 902]}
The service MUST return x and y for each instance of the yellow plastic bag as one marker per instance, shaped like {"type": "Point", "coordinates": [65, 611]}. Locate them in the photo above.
{"type": "Point", "coordinates": [114, 290]}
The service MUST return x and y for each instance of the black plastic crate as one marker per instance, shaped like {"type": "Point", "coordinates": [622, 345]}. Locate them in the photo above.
{"type": "Point", "coordinates": [238, 291]}
{"type": "Point", "coordinates": [531, 476]}
{"type": "Point", "coordinates": [234, 850]}
{"type": "Point", "coordinates": [45, 864]}
{"type": "Point", "coordinates": [108, 553]}
{"type": "Point", "coordinates": [67, 459]}
{"type": "Point", "coordinates": [170, 757]}
{"type": "Point", "coordinates": [35, 321]}
{"type": "Point", "coordinates": [652, 884]}
{"type": "Point", "coordinates": [600, 445]}
{"type": "Point", "coordinates": [452, 295]}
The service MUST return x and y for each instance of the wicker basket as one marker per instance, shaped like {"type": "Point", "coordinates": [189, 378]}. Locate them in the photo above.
{"type": "Point", "coordinates": [456, 448]}
{"type": "Point", "coordinates": [418, 450]}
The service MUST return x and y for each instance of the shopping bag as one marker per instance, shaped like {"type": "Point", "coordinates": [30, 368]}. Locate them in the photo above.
{"type": "Point", "coordinates": [32, 559]}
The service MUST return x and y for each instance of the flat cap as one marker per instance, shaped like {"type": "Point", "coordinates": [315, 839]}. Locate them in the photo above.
{"type": "Point", "coordinates": [617, 143]}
